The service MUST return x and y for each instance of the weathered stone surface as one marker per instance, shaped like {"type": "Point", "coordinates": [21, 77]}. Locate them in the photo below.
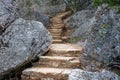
{"type": "Point", "coordinates": [53, 9]}
{"type": "Point", "coordinates": [77, 5]}
{"type": "Point", "coordinates": [40, 73]}
{"type": "Point", "coordinates": [78, 74]}
{"type": "Point", "coordinates": [7, 14]}
{"type": "Point", "coordinates": [45, 19]}
{"type": "Point", "coordinates": [58, 62]}
{"type": "Point", "coordinates": [66, 50]}
{"type": "Point", "coordinates": [104, 36]}
{"type": "Point", "coordinates": [79, 18]}
{"type": "Point", "coordinates": [101, 34]}
{"type": "Point", "coordinates": [21, 42]}
{"type": "Point", "coordinates": [40, 10]}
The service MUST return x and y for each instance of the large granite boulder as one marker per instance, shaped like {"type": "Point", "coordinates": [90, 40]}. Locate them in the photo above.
{"type": "Point", "coordinates": [21, 42]}
{"type": "Point", "coordinates": [104, 34]}
{"type": "Point", "coordinates": [78, 74]}
{"type": "Point", "coordinates": [100, 34]}
{"type": "Point", "coordinates": [79, 21]}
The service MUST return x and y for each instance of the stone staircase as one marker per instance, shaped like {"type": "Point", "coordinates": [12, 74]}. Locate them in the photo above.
{"type": "Point", "coordinates": [59, 61]}
{"type": "Point", "coordinates": [56, 26]}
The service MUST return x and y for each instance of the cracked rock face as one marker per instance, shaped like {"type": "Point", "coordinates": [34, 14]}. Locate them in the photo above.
{"type": "Point", "coordinates": [21, 42]}
{"type": "Point", "coordinates": [78, 74]}
{"type": "Point", "coordinates": [104, 36]}
{"type": "Point", "coordinates": [100, 33]}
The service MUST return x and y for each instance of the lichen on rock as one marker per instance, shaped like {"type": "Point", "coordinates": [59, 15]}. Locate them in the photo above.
{"type": "Point", "coordinates": [101, 33]}
{"type": "Point", "coordinates": [104, 37]}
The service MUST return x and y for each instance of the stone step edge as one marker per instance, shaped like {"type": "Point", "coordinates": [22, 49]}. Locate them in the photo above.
{"type": "Point", "coordinates": [54, 36]}
{"type": "Point", "coordinates": [60, 58]}
{"type": "Point", "coordinates": [54, 29]}
{"type": "Point", "coordinates": [66, 50]}
{"type": "Point", "coordinates": [56, 40]}
{"type": "Point", "coordinates": [47, 70]}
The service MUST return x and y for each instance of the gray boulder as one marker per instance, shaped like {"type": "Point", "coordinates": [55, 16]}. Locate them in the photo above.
{"type": "Point", "coordinates": [51, 7]}
{"type": "Point", "coordinates": [104, 35]}
{"type": "Point", "coordinates": [101, 34]}
{"type": "Point", "coordinates": [45, 19]}
{"type": "Point", "coordinates": [22, 41]}
{"type": "Point", "coordinates": [78, 74]}
{"type": "Point", "coordinates": [80, 21]}
{"type": "Point", "coordinates": [79, 18]}
{"type": "Point", "coordinates": [40, 10]}
{"type": "Point", "coordinates": [7, 14]}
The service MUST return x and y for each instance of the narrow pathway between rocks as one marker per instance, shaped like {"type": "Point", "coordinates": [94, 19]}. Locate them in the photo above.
{"type": "Point", "coordinates": [61, 58]}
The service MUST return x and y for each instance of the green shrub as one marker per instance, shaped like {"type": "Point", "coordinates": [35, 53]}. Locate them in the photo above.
{"type": "Point", "coordinates": [110, 2]}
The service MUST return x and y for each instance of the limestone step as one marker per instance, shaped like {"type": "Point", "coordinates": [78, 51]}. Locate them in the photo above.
{"type": "Point", "coordinates": [57, 41]}
{"type": "Point", "coordinates": [67, 50]}
{"type": "Point", "coordinates": [56, 20]}
{"type": "Point", "coordinates": [55, 29]}
{"type": "Point", "coordinates": [57, 26]}
{"type": "Point", "coordinates": [58, 62]}
{"type": "Point", "coordinates": [55, 34]}
{"type": "Point", "coordinates": [65, 37]}
{"type": "Point", "coordinates": [37, 73]}
{"type": "Point", "coordinates": [53, 26]}
{"type": "Point", "coordinates": [63, 14]}
{"type": "Point", "coordinates": [56, 37]}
